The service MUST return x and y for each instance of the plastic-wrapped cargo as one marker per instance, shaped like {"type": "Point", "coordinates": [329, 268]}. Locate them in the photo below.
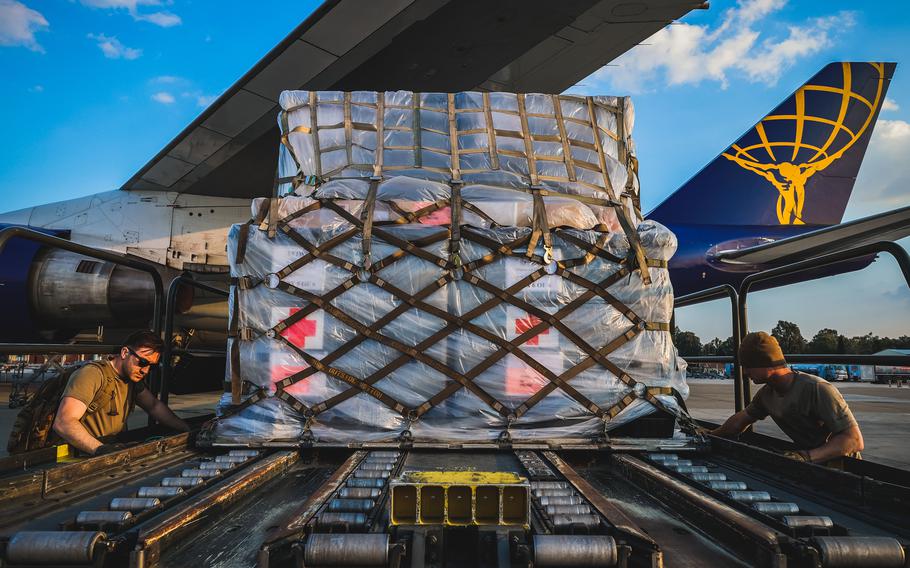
{"type": "Point", "coordinates": [449, 267]}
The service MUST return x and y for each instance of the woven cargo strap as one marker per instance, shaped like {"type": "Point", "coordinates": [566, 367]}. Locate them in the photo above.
{"type": "Point", "coordinates": [367, 220]}
{"type": "Point", "coordinates": [453, 322]}
{"type": "Point", "coordinates": [242, 239]}
{"type": "Point", "coordinates": [540, 228]}
{"type": "Point", "coordinates": [365, 225]}
{"type": "Point", "coordinates": [524, 135]}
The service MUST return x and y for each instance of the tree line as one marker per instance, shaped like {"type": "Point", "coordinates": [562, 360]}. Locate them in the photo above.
{"type": "Point", "coordinates": [791, 340]}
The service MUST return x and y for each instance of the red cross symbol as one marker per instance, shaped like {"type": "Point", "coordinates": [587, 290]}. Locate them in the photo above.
{"type": "Point", "coordinates": [524, 324]}
{"type": "Point", "coordinates": [299, 331]}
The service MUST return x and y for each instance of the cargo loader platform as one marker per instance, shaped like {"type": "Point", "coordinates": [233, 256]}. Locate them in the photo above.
{"type": "Point", "coordinates": [694, 503]}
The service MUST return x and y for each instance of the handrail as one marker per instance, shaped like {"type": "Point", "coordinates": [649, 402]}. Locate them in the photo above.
{"type": "Point", "coordinates": [715, 293]}
{"type": "Point", "coordinates": [894, 249]}
{"type": "Point", "coordinates": [130, 262]}
{"type": "Point", "coordinates": [167, 368]}
{"type": "Point", "coordinates": [57, 348]}
{"type": "Point", "coordinates": [832, 358]}
{"type": "Point", "coordinates": [849, 359]}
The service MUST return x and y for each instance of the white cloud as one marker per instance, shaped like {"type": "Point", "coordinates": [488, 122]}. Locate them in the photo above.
{"type": "Point", "coordinates": [164, 98]}
{"type": "Point", "coordinates": [205, 100]}
{"type": "Point", "coordinates": [890, 105]}
{"type": "Point", "coordinates": [201, 99]}
{"type": "Point", "coordinates": [112, 48]}
{"type": "Point", "coordinates": [167, 79]}
{"type": "Point", "coordinates": [18, 25]}
{"type": "Point", "coordinates": [885, 174]}
{"type": "Point", "coordinates": [892, 130]}
{"type": "Point", "coordinates": [163, 18]}
{"type": "Point", "coordinates": [690, 54]}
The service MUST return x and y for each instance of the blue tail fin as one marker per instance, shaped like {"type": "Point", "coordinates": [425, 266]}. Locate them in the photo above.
{"type": "Point", "coordinates": [798, 164]}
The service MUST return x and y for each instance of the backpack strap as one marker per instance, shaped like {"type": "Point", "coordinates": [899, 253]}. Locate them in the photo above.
{"type": "Point", "coordinates": [103, 395]}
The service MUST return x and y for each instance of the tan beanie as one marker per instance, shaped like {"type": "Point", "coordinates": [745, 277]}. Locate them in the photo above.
{"type": "Point", "coordinates": [760, 350]}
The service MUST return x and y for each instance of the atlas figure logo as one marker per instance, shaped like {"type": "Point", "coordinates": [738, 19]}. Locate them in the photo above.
{"type": "Point", "coordinates": [790, 147]}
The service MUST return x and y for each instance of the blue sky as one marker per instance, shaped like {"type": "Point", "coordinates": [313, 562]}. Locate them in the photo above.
{"type": "Point", "coordinates": [93, 88]}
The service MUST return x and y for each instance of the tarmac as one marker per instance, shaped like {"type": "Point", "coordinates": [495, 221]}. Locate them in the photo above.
{"type": "Point", "coordinates": [883, 413]}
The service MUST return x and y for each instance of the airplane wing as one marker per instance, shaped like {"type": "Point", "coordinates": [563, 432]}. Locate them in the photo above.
{"type": "Point", "coordinates": [231, 149]}
{"type": "Point", "coordinates": [888, 226]}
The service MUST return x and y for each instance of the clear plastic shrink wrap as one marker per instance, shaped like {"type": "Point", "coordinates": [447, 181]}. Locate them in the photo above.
{"type": "Point", "coordinates": [449, 268]}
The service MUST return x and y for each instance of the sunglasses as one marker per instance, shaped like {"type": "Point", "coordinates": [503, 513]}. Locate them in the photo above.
{"type": "Point", "coordinates": [141, 361]}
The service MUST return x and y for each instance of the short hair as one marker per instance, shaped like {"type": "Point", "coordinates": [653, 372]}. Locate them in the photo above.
{"type": "Point", "coordinates": [143, 338]}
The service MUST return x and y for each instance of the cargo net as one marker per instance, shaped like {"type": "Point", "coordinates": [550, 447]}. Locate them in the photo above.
{"type": "Point", "coordinates": [386, 300]}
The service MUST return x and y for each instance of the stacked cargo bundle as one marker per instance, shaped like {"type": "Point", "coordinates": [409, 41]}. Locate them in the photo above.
{"type": "Point", "coordinates": [449, 267]}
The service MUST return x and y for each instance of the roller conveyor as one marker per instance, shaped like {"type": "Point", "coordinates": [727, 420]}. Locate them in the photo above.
{"type": "Point", "coordinates": [112, 493]}
{"type": "Point", "coordinates": [416, 507]}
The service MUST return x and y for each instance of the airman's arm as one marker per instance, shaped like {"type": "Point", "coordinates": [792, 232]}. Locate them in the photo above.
{"type": "Point", "coordinates": [838, 445]}
{"type": "Point", "coordinates": [160, 411]}
{"type": "Point", "coordinates": [68, 426]}
{"type": "Point", "coordinates": [734, 425]}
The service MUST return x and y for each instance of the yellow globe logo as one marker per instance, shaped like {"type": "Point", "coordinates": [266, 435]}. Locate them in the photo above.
{"type": "Point", "coordinates": [790, 148]}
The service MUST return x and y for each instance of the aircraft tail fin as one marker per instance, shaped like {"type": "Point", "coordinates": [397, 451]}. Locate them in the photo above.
{"type": "Point", "coordinates": [797, 166]}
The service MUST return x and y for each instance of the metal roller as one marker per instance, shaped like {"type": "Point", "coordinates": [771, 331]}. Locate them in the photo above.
{"type": "Point", "coordinates": [204, 473]}
{"type": "Point", "coordinates": [749, 496]}
{"type": "Point", "coordinates": [808, 522]}
{"type": "Point", "coordinates": [852, 551]}
{"type": "Point", "coordinates": [663, 457]}
{"type": "Point", "coordinates": [96, 518]}
{"type": "Point", "coordinates": [710, 476]}
{"type": "Point", "coordinates": [181, 481]}
{"type": "Point", "coordinates": [554, 510]}
{"type": "Point", "coordinates": [680, 463]}
{"type": "Point", "coordinates": [379, 459]}
{"type": "Point", "coordinates": [365, 482]}
{"type": "Point", "coordinates": [727, 485]}
{"type": "Point", "coordinates": [589, 521]}
{"type": "Point", "coordinates": [776, 509]}
{"type": "Point", "coordinates": [549, 485]}
{"type": "Point", "coordinates": [377, 466]}
{"type": "Point", "coordinates": [576, 551]}
{"type": "Point", "coordinates": [216, 465]}
{"type": "Point", "coordinates": [570, 500]}
{"type": "Point", "coordinates": [53, 547]}
{"type": "Point", "coordinates": [384, 454]}
{"type": "Point", "coordinates": [371, 474]}
{"type": "Point", "coordinates": [346, 550]}
{"type": "Point", "coordinates": [359, 492]}
{"type": "Point", "coordinates": [159, 491]}
{"type": "Point", "coordinates": [244, 453]}
{"type": "Point", "coordinates": [230, 459]}
{"type": "Point", "coordinates": [689, 468]}
{"type": "Point", "coordinates": [554, 492]}
{"type": "Point", "coordinates": [350, 505]}
{"type": "Point", "coordinates": [133, 503]}
{"type": "Point", "coordinates": [350, 520]}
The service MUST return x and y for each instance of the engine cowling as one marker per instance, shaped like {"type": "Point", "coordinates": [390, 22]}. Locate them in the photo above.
{"type": "Point", "coordinates": [53, 294]}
